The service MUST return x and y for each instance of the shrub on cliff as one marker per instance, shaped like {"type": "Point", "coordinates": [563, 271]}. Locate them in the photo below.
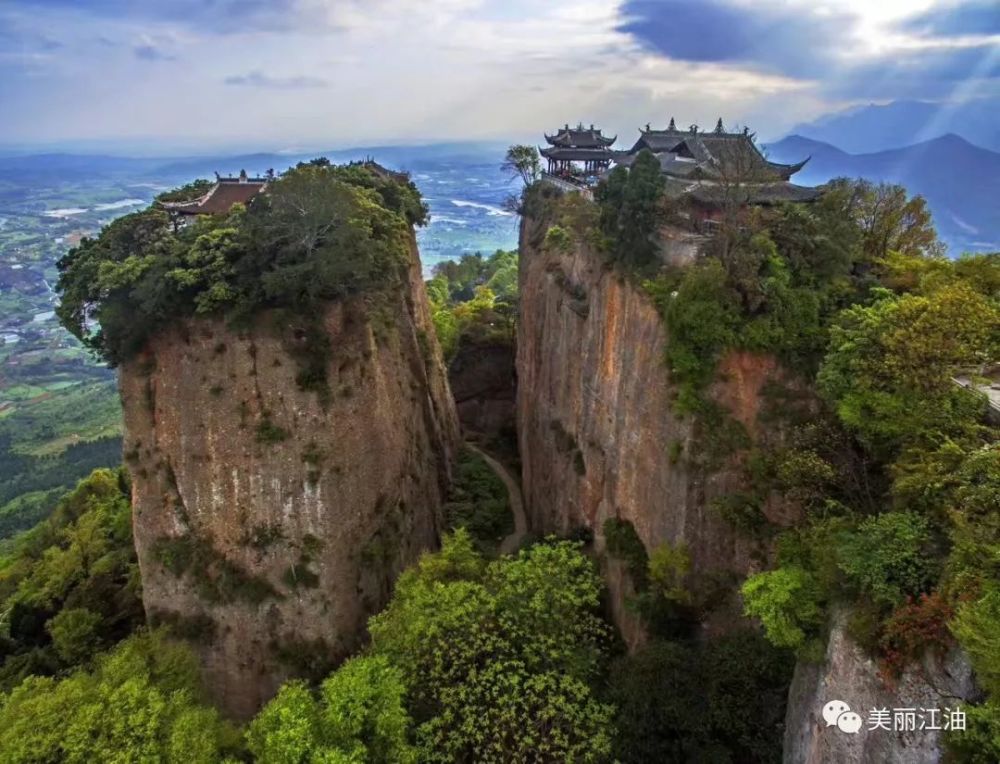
{"type": "Point", "coordinates": [319, 233]}
{"type": "Point", "coordinates": [889, 557]}
{"type": "Point", "coordinates": [787, 602]}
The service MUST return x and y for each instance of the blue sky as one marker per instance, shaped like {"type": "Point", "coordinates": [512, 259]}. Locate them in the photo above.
{"type": "Point", "coordinates": [302, 74]}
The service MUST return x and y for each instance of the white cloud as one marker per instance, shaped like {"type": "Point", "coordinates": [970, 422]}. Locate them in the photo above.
{"type": "Point", "coordinates": [326, 73]}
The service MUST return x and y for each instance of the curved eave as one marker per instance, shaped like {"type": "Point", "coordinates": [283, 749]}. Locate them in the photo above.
{"type": "Point", "coordinates": [786, 171]}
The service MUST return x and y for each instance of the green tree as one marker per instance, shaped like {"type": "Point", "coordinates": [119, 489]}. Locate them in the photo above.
{"type": "Point", "coordinates": [641, 213]}
{"type": "Point", "coordinates": [522, 162]}
{"type": "Point", "coordinates": [889, 557]}
{"type": "Point", "coordinates": [141, 703]}
{"type": "Point", "coordinates": [498, 657]}
{"type": "Point", "coordinates": [359, 717]}
{"type": "Point", "coordinates": [889, 368]}
{"type": "Point", "coordinates": [74, 634]}
{"type": "Point", "coordinates": [788, 603]}
{"type": "Point", "coordinates": [892, 222]}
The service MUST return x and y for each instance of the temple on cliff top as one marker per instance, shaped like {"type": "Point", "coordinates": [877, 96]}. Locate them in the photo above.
{"type": "Point", "coordinates": [700, 166]}
{"type": "Point", "coordinates": [220, 198]}
{"type": "Point", "coordinates": [571, 147]}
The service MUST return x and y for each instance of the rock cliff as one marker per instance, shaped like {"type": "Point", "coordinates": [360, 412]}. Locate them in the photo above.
{"type": "Point", "coordinates": [598, 435]}
{"type": "Point", "coordinates": [270, 521]}
{"type": "Point", "coordinates": [482, 379]}
{"type": "Point", "coordinates": [849, 675]}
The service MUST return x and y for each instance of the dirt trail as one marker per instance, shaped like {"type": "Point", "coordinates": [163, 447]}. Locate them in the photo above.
{"type": "Point", "coordinates": [513, 541]}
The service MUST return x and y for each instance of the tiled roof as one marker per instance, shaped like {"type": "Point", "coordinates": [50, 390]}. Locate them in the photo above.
{"type": "Point", "coordinates": [763, 193]}
{"type": "Point", "coordinates": [220, 199]}
{"type": "Point", "coordinates": [580, 137]}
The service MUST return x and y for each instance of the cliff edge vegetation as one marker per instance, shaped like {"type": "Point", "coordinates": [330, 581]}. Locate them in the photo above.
{"type": "Point", "coordinates": [288, 425]}
{"type": "Point", "coordinates": [320, 233]}
{"type": "Point", "coordinates": [894, 465]}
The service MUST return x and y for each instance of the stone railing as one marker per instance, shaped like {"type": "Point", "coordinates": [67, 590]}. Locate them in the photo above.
{"type": "Point", "coordinates": [568, 185]}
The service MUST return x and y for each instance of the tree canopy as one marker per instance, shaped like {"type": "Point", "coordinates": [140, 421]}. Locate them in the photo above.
{"type": "Point", "coordinates": [320, 232]}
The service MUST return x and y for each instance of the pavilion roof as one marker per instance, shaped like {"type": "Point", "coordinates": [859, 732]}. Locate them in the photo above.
{"type": "Point", "coordinates": [715, 152]}
{"type": "Point", "coordinates": [579, 137]}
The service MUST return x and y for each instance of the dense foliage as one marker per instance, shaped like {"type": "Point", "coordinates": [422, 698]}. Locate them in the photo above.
{"type": "Point", "coordinates": [70, 587]}
{"type": "Point", "coordinates": [722, 701]}
{"type": "Point", "coordinates": [632, 210]}
{"type": "Point", "coordinates": [359, 716]}
{"type": "Point", "coordinates": [320, 232]}
{"type": "Point", "coordinates": [497, 660]}
{"type": "Point", "coordinates": [141, 702]}
{"type": "Point", "coordinates": [474, 300]}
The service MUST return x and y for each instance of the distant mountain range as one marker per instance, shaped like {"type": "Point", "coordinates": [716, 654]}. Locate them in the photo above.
{"type": "Point", "coordinates": [871, 128]}
{"type": "Point", "coordinates": [960, 181]}
{"type": "Point", "coordinates": [68, 166]}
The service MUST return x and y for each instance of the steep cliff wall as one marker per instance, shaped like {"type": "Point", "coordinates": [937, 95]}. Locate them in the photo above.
{"type": "Point", "coordinates": [849, 675]}
{"type": "Point", "coordinates": [482, 379]}
{"type": "Point", "coordinates": [270, 524]}
{"type": "Point", "coordinates": [598, 435]}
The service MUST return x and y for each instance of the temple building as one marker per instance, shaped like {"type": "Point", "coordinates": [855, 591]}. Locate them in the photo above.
{"type": "Point", "coordinates": [220, 198]}
{"type": "Point", "coordinates": [570, 148]}
{"type": "Point", "coordinates": [707, 166]}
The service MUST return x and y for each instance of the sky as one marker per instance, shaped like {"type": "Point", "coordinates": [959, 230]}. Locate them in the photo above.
{"type": "Point", "coordinates": [301, 74]}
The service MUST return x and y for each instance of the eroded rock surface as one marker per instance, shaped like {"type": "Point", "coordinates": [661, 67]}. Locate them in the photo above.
{"type": "Point", "coordinates": [269, 524]}
{"type": "Point", "coordinates": [598, 435]}
{"type": "Point", "coordinates": [483, 382]}
{"type": "Point", "coordinates": [849, 675]}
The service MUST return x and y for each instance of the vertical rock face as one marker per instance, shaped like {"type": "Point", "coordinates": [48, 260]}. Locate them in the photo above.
{"type": "Point", "coordinates": [270, 523]}
{"type": "Point", "coordinates": [598, 436]}
{"type": "Point", "coordinates": [482, 379]}
{"type": "Point", "coordinates": [848, 675]}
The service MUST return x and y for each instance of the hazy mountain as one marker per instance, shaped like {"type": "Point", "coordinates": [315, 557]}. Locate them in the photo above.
{"type": "Point", "coordinates": [40, 168]}
{"type": "Point", "coordinates": [960, 181]}
{"type": "Point", "coordinates": [902, 123]}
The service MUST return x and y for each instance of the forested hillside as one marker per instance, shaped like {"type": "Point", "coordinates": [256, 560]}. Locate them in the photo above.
{"type": "Point", "coordinates": [479, 656]}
